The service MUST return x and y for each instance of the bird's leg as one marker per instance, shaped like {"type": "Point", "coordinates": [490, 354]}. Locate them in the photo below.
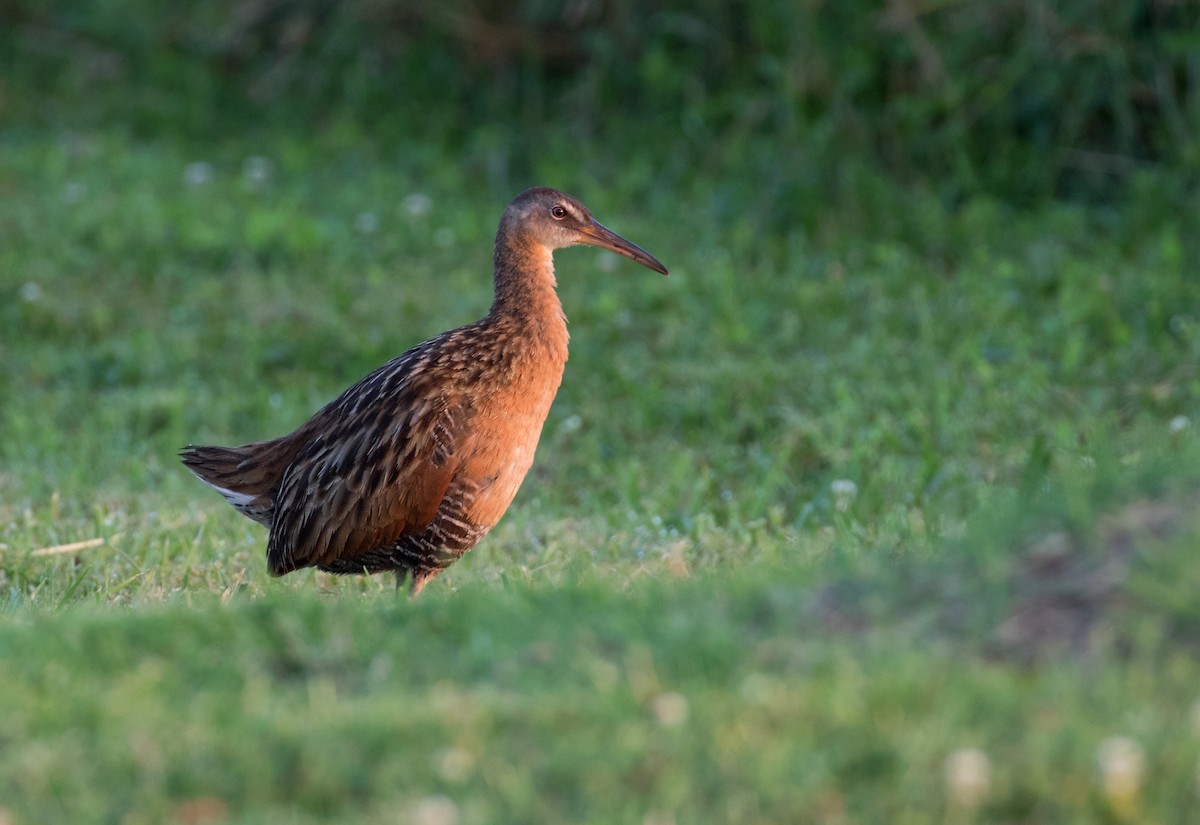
{"type": "Point", "coordinates": [419, 578]}
{"type": "Point", "coordinates": [416, 579]}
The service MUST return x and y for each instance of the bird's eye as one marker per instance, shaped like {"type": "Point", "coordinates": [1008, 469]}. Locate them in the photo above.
{"type": "Point", "coordinates": [558, 213]}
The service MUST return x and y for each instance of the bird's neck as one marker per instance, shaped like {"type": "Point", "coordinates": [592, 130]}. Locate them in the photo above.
{"type": "Point", "coordinates": [525, 291]}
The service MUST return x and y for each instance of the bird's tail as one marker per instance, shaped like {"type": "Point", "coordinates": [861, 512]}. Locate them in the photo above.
{"type": "Point", "coordinates": [247, 476]}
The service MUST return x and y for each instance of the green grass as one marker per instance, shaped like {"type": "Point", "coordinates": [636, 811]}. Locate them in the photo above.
{"type": "Point", "coordinates": [681, 619]}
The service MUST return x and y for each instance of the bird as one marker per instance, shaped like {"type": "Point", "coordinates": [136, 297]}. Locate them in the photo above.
{"type": "Point", "coordinates": [413, 465]}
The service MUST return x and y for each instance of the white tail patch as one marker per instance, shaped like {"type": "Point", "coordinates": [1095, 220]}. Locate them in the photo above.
{"type": "Point", "coordinates": [238, 500]}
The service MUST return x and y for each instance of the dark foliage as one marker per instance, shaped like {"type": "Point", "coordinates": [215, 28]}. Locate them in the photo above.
{"type": "Point", "coordinates": [1016, 98]}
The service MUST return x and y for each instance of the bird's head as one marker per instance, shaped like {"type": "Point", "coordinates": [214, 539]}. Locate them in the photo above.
{"type": "Point", "coordinates": [556, 220]}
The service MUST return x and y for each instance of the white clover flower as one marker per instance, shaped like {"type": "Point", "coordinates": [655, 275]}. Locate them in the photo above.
{"type": "Point", "coordinates": [1122, 765]}
{"type": "Point", "coordinates": [1179, 423]}
{"type": "Point", "coordinates": [418, 204]}
{"type": "Point", "coordinates": [257, 171]}
{"type": "Point", "coordinates": [198, 173]}
{"type": "Point", "coordinates": [844, 491]}
{"type": "Point", "coordinates": [570, 424]}
{"type": "Point", "coordinates": [435, 810]}
{"type": "Point", "coordinates": [670, 709]}
{"type": "Point", "coordinates": [968, 775]}
{"type": "Point", "coordinates": [366, 222]}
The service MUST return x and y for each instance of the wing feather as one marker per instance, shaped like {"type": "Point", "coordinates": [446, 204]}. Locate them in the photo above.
{"type": "Point", "coordinates": [377, 470]}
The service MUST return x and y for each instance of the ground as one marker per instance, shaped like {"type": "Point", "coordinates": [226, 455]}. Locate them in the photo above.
{"type": "Point", "coordinates": [821, 516]}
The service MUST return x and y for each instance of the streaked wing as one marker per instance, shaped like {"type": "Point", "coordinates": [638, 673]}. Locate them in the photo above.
{"type": "Point", "coordinates": [376, 473]}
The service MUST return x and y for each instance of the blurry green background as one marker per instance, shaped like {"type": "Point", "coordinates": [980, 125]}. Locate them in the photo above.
{"type": "Point", "coordinates": [796, 101]}
{"type": "Point", "coordinates": [882, 508]}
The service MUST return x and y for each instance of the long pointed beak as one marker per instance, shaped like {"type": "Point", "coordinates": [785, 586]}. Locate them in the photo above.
{"type": "Point", "coordinates": [599, 235]}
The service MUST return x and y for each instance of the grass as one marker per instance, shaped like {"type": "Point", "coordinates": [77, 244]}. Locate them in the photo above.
{"type": "Point", "coordinates": [824, 508]}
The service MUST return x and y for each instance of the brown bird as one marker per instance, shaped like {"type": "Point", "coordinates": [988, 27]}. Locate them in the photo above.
{"type": "Point", "coordinates": [409, 468]}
